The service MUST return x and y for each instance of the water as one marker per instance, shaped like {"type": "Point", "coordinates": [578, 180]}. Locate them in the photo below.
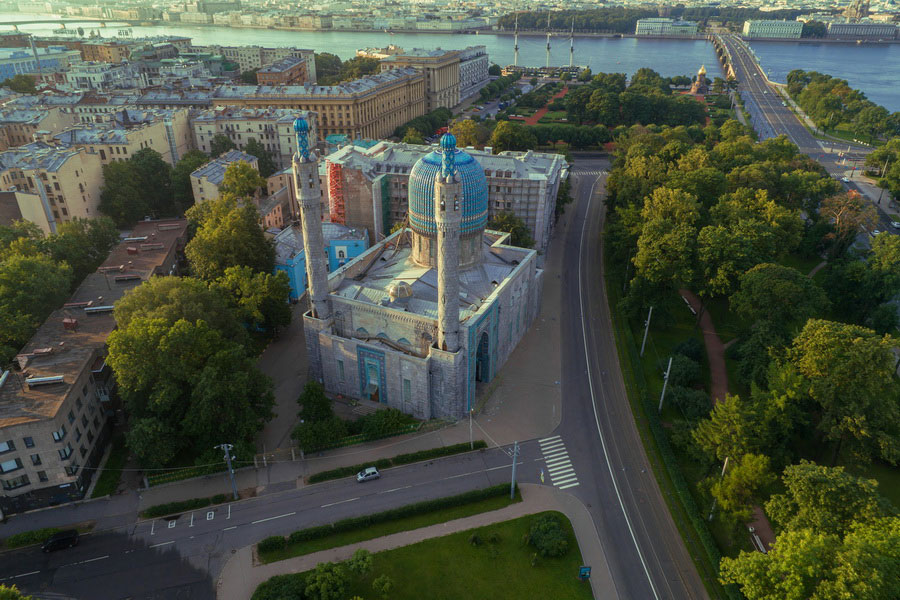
{"type": "Point", "coordinates": [872, 68]}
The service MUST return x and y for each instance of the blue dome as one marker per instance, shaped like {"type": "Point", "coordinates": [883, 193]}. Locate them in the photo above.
{"type": "Point", "coordinates": [448, 141]}
{"type": "Point", "coordinates": [421, 192]}
{"type": "Point", "coordinates": [300, 125]}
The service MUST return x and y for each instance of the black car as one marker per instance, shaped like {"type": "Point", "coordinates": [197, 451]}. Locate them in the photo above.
{"type": "Point", "coordinates": [58, 541]}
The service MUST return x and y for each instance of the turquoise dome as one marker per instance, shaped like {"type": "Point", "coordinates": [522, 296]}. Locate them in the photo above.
{"type": "Point", "coordinates": [421, 190]}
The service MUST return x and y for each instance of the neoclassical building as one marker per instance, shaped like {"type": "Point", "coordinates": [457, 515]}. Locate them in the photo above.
{"type": "Point", "coordinates": [421, 317]}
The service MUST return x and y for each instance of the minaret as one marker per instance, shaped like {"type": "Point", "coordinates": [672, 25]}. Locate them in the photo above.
{"type": "Point", "coordinates": [448, 220]}
{"type": "Point", "coordinates": [572, 45]}
{"type": "Point", "coordinates": [516, 43]}
{"type": "Point", "coordinates": [548, 39]}
{"type": "Point", "coordinates": [309, 197]}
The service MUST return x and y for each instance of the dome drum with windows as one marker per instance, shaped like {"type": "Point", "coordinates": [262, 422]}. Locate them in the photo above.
{"type": "Point", "coordinates": [473, 189]}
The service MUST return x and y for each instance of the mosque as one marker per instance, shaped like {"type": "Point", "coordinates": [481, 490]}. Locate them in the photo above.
{"type": "Point", "coordinates": [419, 318]}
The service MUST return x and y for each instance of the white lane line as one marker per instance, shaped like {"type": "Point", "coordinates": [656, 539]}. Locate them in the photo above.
{"type": "Point", "coordinates": [338, 502]}
{"type": "Point", "coordinates": [230, 528]}
{"type": "Point", "coordinates": [93, 559]}
{"type": "Point", "coordinates": [560, 448]}
{"type": "Point", "coordinates": [547, 439]}
{"type": "Point", "coordinates": [396, 489]}
{"type": "Point", "coordinates": [25, 574]}
{"type": "Point", "coordinates": [587, 360]}
{"type": "Point", "coordinates": [564, 487]}
{"type": "Point", "coordinates": [162, 544]}
{"type": "Point", "coordinates": [273, 518]}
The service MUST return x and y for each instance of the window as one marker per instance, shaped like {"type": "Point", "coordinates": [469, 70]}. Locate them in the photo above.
{"type": "Point", "coordinates": [341, 370]}
{"type": "Point", "coordinates": [42, 475]}
{"type": "Point", "coordinates": [7, 446]}
{"type": "Point", "coordinates": [35, 459]}
{"type": "Point", "coordinates": [66, 452]}
{"type": "Point", "coordinates": [29, 442]}
{"type": "Point", "coordinates": [11, 484]}
{"type": "Point", "coordinates": [71, 417]}
{"type": "Point", "coordinates": [56, 185]}
{"type": "Point", "coordinates": [407, 390]}
{"type": "Point", "coordinates": [10, 465]}
{"type": "Point", "coordinates": [71, 470]}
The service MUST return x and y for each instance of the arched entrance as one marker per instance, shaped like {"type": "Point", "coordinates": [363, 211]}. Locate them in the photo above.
{"type": "Point", "coordinates": [483, 359]}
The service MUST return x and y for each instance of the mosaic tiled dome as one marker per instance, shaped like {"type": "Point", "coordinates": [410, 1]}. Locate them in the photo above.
{"type": "Point", "coordinates": [421, 191]}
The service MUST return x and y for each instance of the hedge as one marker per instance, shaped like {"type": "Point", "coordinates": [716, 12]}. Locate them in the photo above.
{"type": "Point", "coordinates": [400, 459]}
{"type": "Point", "coordinates": [28, 538]}
{"type": "Point", "coordinates": [394, 514]}
{"type": "Point", "coordinates": [171, 508]}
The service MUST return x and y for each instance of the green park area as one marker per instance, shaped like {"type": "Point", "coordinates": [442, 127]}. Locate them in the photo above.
{"type": "Point", "coordinates": [532, 557]}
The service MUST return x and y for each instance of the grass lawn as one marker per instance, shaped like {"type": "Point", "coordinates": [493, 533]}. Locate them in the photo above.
{"type": "Point", "coordinates": [888, 478]}
{"type": "Point", "coordinates": [804, 264]}
{"type": "Point", "coordinates": [450, 568]}
{"type": "Point", "coordinates": [108, 479]}
{"type": "Point", "coordinates": [383, 529]}
{"type": "Point", "coordinates": [554, 115]}
{"type": "Point", "coordinates": [728, 325]}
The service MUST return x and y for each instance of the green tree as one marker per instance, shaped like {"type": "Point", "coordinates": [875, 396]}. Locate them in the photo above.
{"type": "Point", "coordinates": [779, 294]}
{"type": "Point", "coordinates": [327, 65]}
{"type": "Point", "coordinates": [182, 192]}
{"type": "Point", "coordinates": [510, 223]}
{"type": "Point", "coordinates": [826, 499]}
{"type": "Point", "coordinates": [220, 144]}
{"type": "Point", "coordinates": [738, 488]}
{"type": "Point", "coordinates": [241, 180]}
{"type": "Point", "coordinates": [153, 441]}
{"type": "Point", "coordinates": [154, 175]}
{"type": "Point", "coordinates": [314, 404]}
{"type": "Point", "coordinates": [249, 77]}
{"type": "Point", "coordinates": [494, 70]}
{"type": "Point", "coordinates": [228, 235]}
{"type": "Point", "coordinates": [412, 136]}
{"type": "Point", "coordinates": [666, 248]}
{"type": "Point", "coordinates": [261, 298]}
{"type": "Point", "coordinates": [121, 197]}
{"type": "Point", "coordinates": [327, 582]}
{"type": "Point", "coordinates": [850, 373]}
{"type": "Point", "coordinates": [264, 158]}
{"type": "Point", "coordinates": [21, 83]}
{"type": "Point", "coordinates": [317, 435]}
{"type": "Point", "coordinates": [360, 564]}
{"type": "Point", "coordinates": [383, 585]}
{"type": "Point", "coordinates": [849, 214]}
{"type": "Point", "coordinates": [731, 431]}
{"type": "Point", "coordinates": [512, 136]}
{"type": "Point", "coordinates": [82, 243]}
{"type": "Point", "coordinates": [12, 593]}
{"type": "Point", "coordinates": [469, 133]}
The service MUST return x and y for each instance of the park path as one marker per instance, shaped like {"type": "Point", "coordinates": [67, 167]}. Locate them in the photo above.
{"type": "Point", "coordinates": [718, 388]}
{"type": "Point", "coordinates": [242, 573]}
{"type": "Point", "coordinates": [533, 119]}
{"type": "Point", "coordinates": [817, 268]}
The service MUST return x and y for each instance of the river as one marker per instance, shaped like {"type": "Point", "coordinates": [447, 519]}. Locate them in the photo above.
{"type": "Point", "coordinates": [871, 68]}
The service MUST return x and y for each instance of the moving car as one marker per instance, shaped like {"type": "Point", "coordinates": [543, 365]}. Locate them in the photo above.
{"type": "Point", "coordinates": [845, 180]}
{"type": "Point", "coordinates": [895, 224]}
{"type": "Point", "coordinates": [58, 541]}
{"type": "Point", "coordinates": [367, 474]}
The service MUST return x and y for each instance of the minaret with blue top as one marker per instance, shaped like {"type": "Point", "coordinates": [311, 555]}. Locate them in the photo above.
{"type": "Point", "coordinates": [448, 220]}
{"type": "Point", "coordinates": [309, 197]}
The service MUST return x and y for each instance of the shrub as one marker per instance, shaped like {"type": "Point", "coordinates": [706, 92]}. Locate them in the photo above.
{"type": "Point", "coordinates": [383, 585]}
{"type": "Point", "coordinates": [494, 538]}
{"type": "Point", "coordinates": [28, 538]}
{"type": "Point", "coordinates": [384, 422]}
{"type": "Point", "coordinates": [691, 348]}
{"type": "Point", "coordinates": [271, 544]}
{"type": "Point", "coordinates": [694, 404]}
{"type": "Point", "coordinates": [548, 536]}
{"type": "Point", "coordinates": [171, 508]}
{"type": "Point", "coordinates": [475, 539]}
{"type": "Point", "coordinates": [360, 563]}
{"type": "Point", "coordinates": [282, 587]}
{"type": "Point", "coordinates": [685, 371]}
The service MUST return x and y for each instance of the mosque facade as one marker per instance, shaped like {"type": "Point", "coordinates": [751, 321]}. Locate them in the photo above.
{"type": "Point", "coordinates": [420, 318]}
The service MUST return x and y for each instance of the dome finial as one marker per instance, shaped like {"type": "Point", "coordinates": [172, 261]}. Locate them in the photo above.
{"type": "Point", "coordinates": [301, 127]}
{"type": "Point", "coordinates": [448, 148]}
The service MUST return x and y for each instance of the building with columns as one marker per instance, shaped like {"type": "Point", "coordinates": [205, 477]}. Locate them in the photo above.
{"type": "Point", "coordinates": [441, 70]}
{"type": "Point", "coordinates": [420, 318]}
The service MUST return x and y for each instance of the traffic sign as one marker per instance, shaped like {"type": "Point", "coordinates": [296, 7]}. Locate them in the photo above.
{"type": "Point", "coordinates": [584, 573]}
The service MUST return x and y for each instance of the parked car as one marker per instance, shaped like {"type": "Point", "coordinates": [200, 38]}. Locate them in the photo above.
{"type": "Point", "coordinates": [58, 541]}
{"type": "Point", "coordinates": [895, 224]}
{"type": "Point", "coordinates": [845, 180]}
{"type": "Point", "coordinates": [367, 474]}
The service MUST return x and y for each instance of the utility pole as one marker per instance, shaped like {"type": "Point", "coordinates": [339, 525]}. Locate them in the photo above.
{"type": "Point", "coordinates": [646, 329]}
{"type": "Point", "coordinates": [512, 482]}
{"type": "Point", "coordinates": [713, 509]}
{"type": "Point", "coordinates": [227, 448]}
{"type": "Point", "coordinates": [665, 383]}
{"type": "Point", "coordinates": [471, 441]}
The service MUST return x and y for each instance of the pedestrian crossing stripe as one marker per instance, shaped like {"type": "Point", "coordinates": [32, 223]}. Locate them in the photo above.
{"type": "Point", "coordinates": [557, 461]}
{"type": "Point", "coordinates": [570, 485]}
{"type": "Point", "coordinates": [549, 439]}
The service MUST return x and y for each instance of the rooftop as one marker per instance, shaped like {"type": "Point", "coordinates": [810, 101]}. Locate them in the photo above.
{"type": "Point", "coordinates": [30, 117]}
{"type": "Point", "coordinates": [289, 242]}
{"type": "Point", "coordinates": [240, 113]}
{"type": "Point", "coordinates": [56, 351]}
{"type": "Point", "coordinates": [48, 52]}
{"type": "Point", "coordinates": [279, 66]}
{"type": "Point", "coordinates": [214, 170]}
{"type": "Point", "coordinates": [420, 53]}
{"type": "Point", "coordinates": [36, 155]}
{"type": "Point", "coordinates": [349, 88]}
{"type": "Point", "coordinates": [92, 135]}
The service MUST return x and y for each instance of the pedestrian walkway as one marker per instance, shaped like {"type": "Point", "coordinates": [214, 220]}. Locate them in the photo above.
{"type": "Point", "coordinates": [242, 575]}
{"type": "Point", "coordinates": [559, 467]}
{"type": "Point", "coordinates": [533, 119]}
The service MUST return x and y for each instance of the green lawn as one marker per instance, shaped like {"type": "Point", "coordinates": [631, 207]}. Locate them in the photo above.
{"type": "Point", "coordinates": [804, 264]}
{"type": "Point", "coordinates": [888, 478]}
{"type": "Point", "coordinates": [108, 479]}
{"type": "Point", "coordinates": [383, 529]}
{"type": "Point", "coordinates": [553, 115]}
{"type": "Point", "coordinates": [450, 568]}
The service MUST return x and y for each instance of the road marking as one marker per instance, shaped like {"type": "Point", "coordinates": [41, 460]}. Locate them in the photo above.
{"type": "Point", "coordinates": [230, 528]}
{"type": "Point", "coordinates": [587, 360]}
{"type": "Point", "coordinates": [229, 512]}
{"type": "Point", "coordinates": [556, 458]}
{"type": "Point", "coordinates": [153, 527]}
{"type": "Point", "coordinates": [557, 477]}
{"type": "Point", "coordinates": [210, 515]}
{"type": "Point", "coordinates": [564, 479]}
{"type": "Point", "coordinates": [547, 439]}
{"type": "Point", "coordinates": [192, 520]}
{"type": "Point", "coordinates": [553, 447]}
{"type": "Point", "coordinates": [565, 487]}
{"type": "Point", "coordinates": [396, 489]}
{"type": "Point", "coordinates": [338, 502]}
{"type": "Point", "coordinates": [162, 544]}
{"type": "Point", "coordinates": [25, 574]}
{"type": "Point", "coordinates": [172, 524]}
{"type": "Point", "coordinates": [273, 518]}
{"type": "Point", "coordinates": [560, 468]}
{"type": "Point", "coordinates": [555, 452]}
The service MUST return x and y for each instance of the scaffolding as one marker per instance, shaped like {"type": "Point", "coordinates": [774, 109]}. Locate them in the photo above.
{"type": "Point", "coordinates": [336, 193]}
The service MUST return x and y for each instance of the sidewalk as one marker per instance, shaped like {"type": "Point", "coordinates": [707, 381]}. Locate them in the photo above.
{"type": "Point", "coordinates": [240, 576]}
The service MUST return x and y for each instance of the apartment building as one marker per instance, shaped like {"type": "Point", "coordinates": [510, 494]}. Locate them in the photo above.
{"type": "Point", "coordinates": [24, 206]}
{"type": "Point", "coordinates": [18, 127]}
{"type": "Point", "coordinates": [97, 108]}
{"type": "Point", "coordinates": [58, 401]}
{"type": "Point", "coordinates": [102, 76]}
{"type": "Point", "coordinates": [206, 180]}
{"type": "Point", "coordinates": [21, 61]}
{"type": "Point", "coordinates": [787, 30]}
{"type": "Point", "coordinates": [287, 71]}
{"type": "Point", "coordinates": [272, 127]}
{"type": "Point", "coordinates": [371, 107]}
{"type": "Point", "coordinates": [249, 58]}
{"type": "Point", "coordinates": [473, 70]}
{"type": "Point", "coordinates": [441, 70]}
{"type": "Point", "coordinates": [107, 51]}
{"type": "Point", "coordinates": [66, 180]}
{"type": "Point", "coordinates": [664, 27]}
{"type": "Point", "coordinates": [368, 187]}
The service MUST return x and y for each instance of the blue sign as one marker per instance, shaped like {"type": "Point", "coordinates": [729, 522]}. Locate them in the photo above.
{"type": "Point", "coordinates": [584, 573]}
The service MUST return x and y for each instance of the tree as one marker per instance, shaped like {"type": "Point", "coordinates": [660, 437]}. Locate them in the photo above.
{"type": "Point", "coordinates": [154, 175]}
{"type": "Point", "coordinates": [21, 83]}
{"type": "Point", "coordinates": [82, 243]}
{"type": "Point", "coordinates": [469, 133]}
{"type": "Point", "coordinates": [261, 299]}
{"type": "Point", "coordinates": [731, 430]}
{"type": "Point", "coordinates": [850, 373]}
{"type": "Point", "coordinates": [548, 536]}
{"type": "Point", "coordinates": [511, 136]}
{"type": "Point", "coordinates": [220, 144]}
{"type": "Point", "coordinates": [383, 585]}
{"type": "Point", "coordinates": [826, 499]}
{"type": "Point", "coordinates": [182, 192]}
{"type": "Point", "coordinates": [12, 593]}
{"type": "Point", "coordinates": [494, 70]}
{"type": "Point", "coordinates": [316, 435]}
{"type": "Point", "coordinates": [510, 223]}
{"type": "Point", "coordinates": [779, 294]}
{"type": "Point", "coordinates": [264, 158]}
{"type": "Point", "coordinates": [249, 77]}
{"type": "Point", "coordinates": [241, 180]}
{"type": "Point", "coordinates": [327, 582]}
{"type": "Point", "coordinates": [327, 65]}
{"type": "Point", "coordinates": [738, 488]}
{"type": "Point", "coordinates": [360, 564]}
{"type": "Point", "coordinates": [314, 404]}
{"type": "Point", "coordinates": [228, 235]}
{"type": "Point", "coordinates": [413, 136]}
{"type": "Point", "coordinates": [121, 197]}
{"type": "Point", "coordinates": [667, 244]}
{"type": "Point", "coordinates": [849, 214]}
{"type": "Point", "coordinates": [153, 441]}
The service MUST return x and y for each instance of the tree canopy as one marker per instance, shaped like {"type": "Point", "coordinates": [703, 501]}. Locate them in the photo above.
{"type": "Point", "coordinates": [138, 187]}
{"type": "Point", "coordinates": [182, 192]}
{"type": "Point", "coordinates": [510, 223]}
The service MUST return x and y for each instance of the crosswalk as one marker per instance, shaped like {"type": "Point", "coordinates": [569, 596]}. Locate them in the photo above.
{"type": "Point", "coordinates": [589, 172]}
{"type": "Point", "coordinates": [559, 467]}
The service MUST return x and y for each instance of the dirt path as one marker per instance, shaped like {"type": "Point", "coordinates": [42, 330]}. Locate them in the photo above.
{"type": "Point", "coordinates": [533, 119]}
{"type": "Point", "coordinates": [718, 388]}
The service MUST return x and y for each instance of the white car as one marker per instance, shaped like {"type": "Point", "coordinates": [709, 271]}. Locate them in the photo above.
{"type": "Point", "coordinates": [875, 232]}
{"type": "Point", "coordinates": [845, 180]}
{"type": "Point", "coordinates": [367, 474]}
{"type": "Point", "coordinates": [895, 224]}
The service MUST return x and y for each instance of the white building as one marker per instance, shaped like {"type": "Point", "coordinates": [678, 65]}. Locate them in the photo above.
{"type": "Point", "coordinates": [664, 27]}
{"type": "Point", "coordinates": [102, 76]}
{"type": "Point", "coordinates": [473, 70]}
{"type": "Point", "coordinates": [787, 30]}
